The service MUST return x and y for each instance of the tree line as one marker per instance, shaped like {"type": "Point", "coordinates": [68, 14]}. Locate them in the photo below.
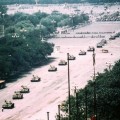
{"type": "Point", "coordinates": [24, 44]}
{"type": "Point", "coordinates": [7, 2]}
{"type": "Point", "coordinates": [107, 106]}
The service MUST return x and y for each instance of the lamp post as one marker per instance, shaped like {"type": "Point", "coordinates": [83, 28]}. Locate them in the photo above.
{"type": "Point", "coordinates": [94, 77]}
{"type": "Point", "coordinates": [58, 112]}
{"type": "Point", "coordinates": [69, 109]}
{"type": "Point", "coordinates": [47, 115]}
{"type": "Point", "coordinates": [15, 35]}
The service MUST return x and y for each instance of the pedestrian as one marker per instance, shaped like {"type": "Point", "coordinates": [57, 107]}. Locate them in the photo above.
{"type": "Point", "coordinates": [2, 109]}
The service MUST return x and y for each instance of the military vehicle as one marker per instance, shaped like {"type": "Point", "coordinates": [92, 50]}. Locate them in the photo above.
{"type": "Point", "coordinates": [71, 57]}
{"type": "Point", "coordinates": [99, 45]}
{"type": "Point", "coordinates": [82, 52]}
{"type": "Point", "coordinates": [8, 105]}
{"type": "Point", "coordinates": [103, 41]}
{"type": "Point", "coordinates": [17, 95]}
{"type": "Point", "coordinates": [2, 84]}
{"type": "Point", "coordinates": [62, 62]}
{"type": "Point", "coordinates": [24, 89]}
{"type": "Point", "coordinates": [104, 51]}
{"type": "Point", "coordinates": [112, 38]}
{"type": "Point", "coordinates": [91, 49]}
{"type": "Point", "coordinates": [36, 79]}
{"type": "Point", "coordinates": [52, 68]}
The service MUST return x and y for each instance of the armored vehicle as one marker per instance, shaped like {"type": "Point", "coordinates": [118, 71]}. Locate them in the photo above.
{"type": "Point", "coordinates": [8, 105]}
{"type": "Point", "coordinates": [62, 62]}
{"type": "Point", "coordinates": [52, 68]}
{"type": "Point", "coordinates": [24, 89]}
{"type": "Point", "coordinates": [82, 52]}
{"type": "Point", "coordinates": [112, 38]}
{"type": "Point", "coordinates": [36, 79]}
{"type": "Point", "coordinates": [91, 49]}
{"type": "Point", "coordinates": [104, 51]}
{"type": "Point", "coordinates": [17, 95]}
{"type": "Point", "coordinates": [103, 41]}
{"type": "Point", "coordinates": [71, 57]}
{"type": "Point", "coordinates": [2, 84]}
{"type": "Point", "coordinates": [99, 45]}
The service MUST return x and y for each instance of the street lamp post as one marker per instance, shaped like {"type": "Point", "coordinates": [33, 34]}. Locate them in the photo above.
{"type": "Point", "coordinates": [58, 112]}
{"type": "Point", "coordinates": [85, 103]}
{"type": "Point", "coordinates": [94, 76]}
{"type": "Point", "coordinates": [69, 88]}
{"type": "Point", "coordinates": [47, 115]}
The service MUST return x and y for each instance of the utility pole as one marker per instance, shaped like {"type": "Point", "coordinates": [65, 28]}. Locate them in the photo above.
{"type": "Point", "coordinates": [85, 103]}
{"type": "Point", "coordinates": [47, 115]}
{"type": "Point", "coordinates": [77, 107]}
{"type": "Point", "coordinates": [58, 112]}
{"type": "Point", "coordinates": [69, 118]}
{"type": "Point", "coordinates": [95, 106]}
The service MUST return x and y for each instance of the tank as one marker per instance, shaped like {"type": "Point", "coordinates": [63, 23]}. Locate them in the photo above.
{"type": "Point", "coordinates": [82, 52]}
{"type": "Point", "coordinates": [104, 51]}
{"type": "Point", "coordinates": [71, 57]}
{"type": "Point", "coordinates": [24, 89]}
{"type": "Point", "coordinates": [8, 105]}
{"type": "Point", "coordinates": [62, 62]}
{"type": "Point", "coordinates": [17, 95]}
{"type": "Point", "coordinates": [99, 45]}
{"type": "Point", "coordinates": [52, 68]}
{"type": "Point", "coordinates": [103, 41]}
{"type": "Point", "coordinates": [91, 49]}
{"type": "Point", "coordinates": [35, 79]}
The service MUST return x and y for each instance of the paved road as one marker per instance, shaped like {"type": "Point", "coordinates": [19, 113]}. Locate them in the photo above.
{"type": "Point", "coordinates": [52, 90]}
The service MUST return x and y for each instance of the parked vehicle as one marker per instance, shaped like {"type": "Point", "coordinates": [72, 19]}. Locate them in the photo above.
{"type": "Point", "coordinates": [2, 84]}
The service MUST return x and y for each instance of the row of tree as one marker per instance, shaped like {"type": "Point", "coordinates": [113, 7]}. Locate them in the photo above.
{"type": "Point", "coordinates": [6, 2]}
{"type": "Point", "coordinates": [22, 46]}
{"type": "Point", "coordinates": [107, 89]}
